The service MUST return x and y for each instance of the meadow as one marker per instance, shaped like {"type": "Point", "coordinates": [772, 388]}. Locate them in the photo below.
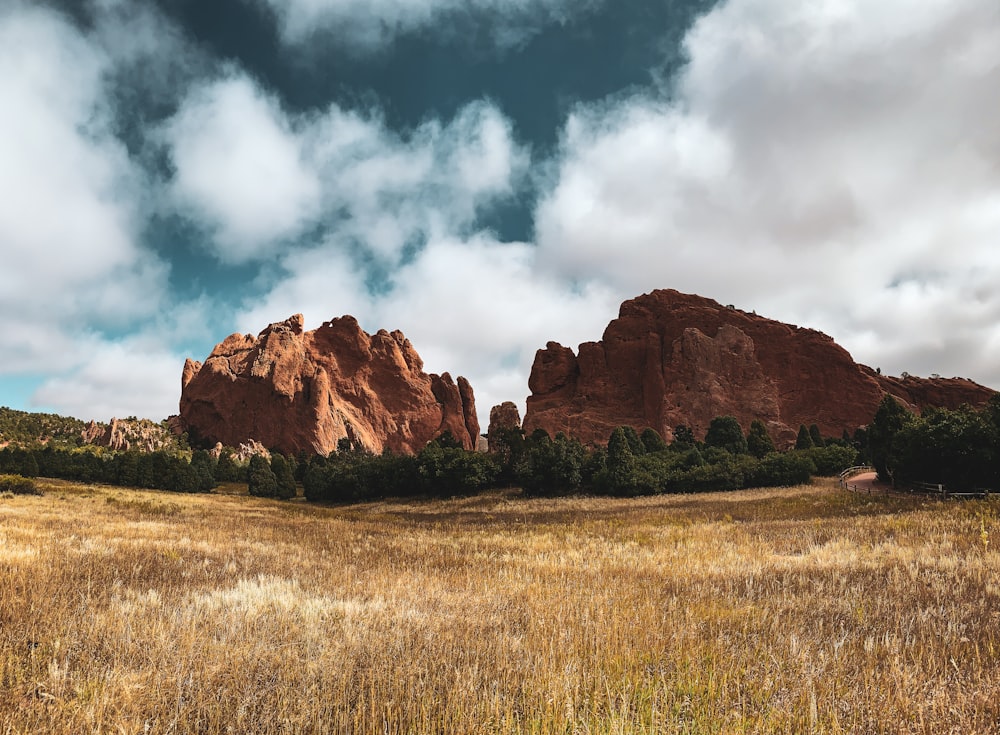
{"type": "Point", "coordinates": [794, 610]}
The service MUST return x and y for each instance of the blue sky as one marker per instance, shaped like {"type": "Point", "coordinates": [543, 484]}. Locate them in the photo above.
{"type": "Point", "coordinates": [487, 175]}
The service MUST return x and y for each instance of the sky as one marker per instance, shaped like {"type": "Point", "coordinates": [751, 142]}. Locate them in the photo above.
{"type": "Point", "coordinates": [486, 176]}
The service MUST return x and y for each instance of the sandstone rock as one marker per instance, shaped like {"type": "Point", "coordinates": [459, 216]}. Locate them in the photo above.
{"type": "Point", "coordinates": [504, 416]}
{"type": "Point", "coordinates": [296, 390]}
{"type": "Point", "coordinates": [125, 434]}
{"type": "Point", "coordinates": [672, 358]}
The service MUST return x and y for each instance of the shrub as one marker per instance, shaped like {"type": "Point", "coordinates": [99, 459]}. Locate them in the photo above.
{"type": "Point", "coordinates": [803, 440]}
{"type": "Point", "coordinates": [18, 485]}
{"type": "Point", "coordinates": [831, 459]}
{"type": "Point", "coordinates": [783, 469]}
{"type": "Point", "coordinates": [261, 480]}
{"type": "Point", "coordinates": [724, 432]}
{"type": "Point", "coordinates": [759, 442]}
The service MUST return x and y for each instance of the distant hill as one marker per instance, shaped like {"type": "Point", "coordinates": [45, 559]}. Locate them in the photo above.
{"type": "Point", "coordinates": [22, 427]}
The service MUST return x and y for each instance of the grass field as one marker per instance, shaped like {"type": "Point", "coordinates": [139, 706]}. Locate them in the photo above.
{"type": "Point", "coordinates": [792, 611]}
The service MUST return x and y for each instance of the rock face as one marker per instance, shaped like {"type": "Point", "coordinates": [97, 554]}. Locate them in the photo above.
{"type": "Point", "coordinates": [504, 416]}
{"type": "Point", "coordinates": [295, 391]}
{"type": "Point", "coordinates": [125, 434]}
{"type": "Point", "coordinates": [672, 358]}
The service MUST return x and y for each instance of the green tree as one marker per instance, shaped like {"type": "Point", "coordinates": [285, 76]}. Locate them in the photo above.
{"type": "Point", "coordinates": [803, 441]}
{"type": "Point", "coordinates": [816, 436]}
{"type": "Point", "coordinates": [683, 438]}
{"type": "Point", "coordinates": [447, 440]}
{"type": "Point", "coordinates": [652, 441]}
{"type": "Point", "coordinates": [621, 463]}
{"type": "Point", "coordinates": [759, 441]}
{"type": "Point", "coordinates": [204, 467]}
{"type": "Point", "coordinates": [508, 448]}
{"type": "Point", "coordinates": [724, 432]}
{"type": "Point", "coordinates": [553, 467]}
{"type": "Point", "coordinates": [889, 420]}
{"type": "Point", "coordinates": [634, 442]}
{"type": "Point", "coordinates": [226, 469]}
{"type": "Point", "coordinates": [284, 477]}
{"type": "Point", "coordinates": [260, 479]}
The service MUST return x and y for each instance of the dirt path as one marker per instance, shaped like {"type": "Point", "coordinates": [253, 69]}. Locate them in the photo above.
{"type": "Point", "coordinates": [867, 482]}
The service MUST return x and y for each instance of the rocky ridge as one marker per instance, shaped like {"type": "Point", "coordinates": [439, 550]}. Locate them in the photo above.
{"type": "Point", "coordinates": [295, 390]}
{"type": "Point", "coordinates": [125, 434]}
{"type": "Point", "coordinates": [672, 358]}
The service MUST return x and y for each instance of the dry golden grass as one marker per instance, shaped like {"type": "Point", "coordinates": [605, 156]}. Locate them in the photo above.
{"type": "Point", "coordinates": [795, 610]}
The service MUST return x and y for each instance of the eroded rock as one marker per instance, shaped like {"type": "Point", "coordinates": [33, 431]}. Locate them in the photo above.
{"type": "Point", "coordinates": [295, 390]}
{"type": "Point", "coordinates": [672, 358]}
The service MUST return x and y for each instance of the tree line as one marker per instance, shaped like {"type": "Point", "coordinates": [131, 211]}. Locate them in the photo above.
{"type": "Point", "coordinates": [631, 464]}
{"type": "Point", "coordinates": [958, 448]}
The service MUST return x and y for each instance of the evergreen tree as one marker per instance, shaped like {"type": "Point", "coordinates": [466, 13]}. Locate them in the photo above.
{"type": "Point", "coordinates": [508, 448]}
{"type": "Point", "coordinates": [204, 467]}
{"type": "Point", "coordinates": [724, 432]}
{"type": "Point", "coordinates": [652, 441]}
{"type": "Point", "coordinates": [634, 442]}
{"type": "Point", "coordinates": [284, 476]}
{"type": "Point", "coordinates": [226, 469]}
{"type": "Point", "coordinates": [683, 438]}
{"type": "Point", "coordinates": [890, 418]}
{"type": "Point", "coordinates": [759, 442]}
{"type": "Point", "coordinates": [621, 463]}
{"type": "Point", "coordinates": [804, 441]}
{"type": "Point", "coordinates": [816, 436]}
{"type": "Point", "coordinates": [261, 480]}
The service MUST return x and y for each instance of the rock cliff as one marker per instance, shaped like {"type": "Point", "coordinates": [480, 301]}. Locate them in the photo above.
{"type": "Point", "coordinates": [672, 358]}
{"type": "Point", "coordinates": [296, 390]}
{"type": "Point", "coordinates": [125, 434]}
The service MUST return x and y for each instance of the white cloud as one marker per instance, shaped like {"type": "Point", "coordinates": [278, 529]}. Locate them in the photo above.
{"type": "Point", "coordinates": [68, 190]}
{"type": "Point", "coordinates": [386, 191]}
{"type": "Point", "coordinates": [258, 177]}
{"type": "Point", "coordinates": [240, 168]}
{"type": "Point", "coordinates": [834, 164]}
{"type": "Point", "coordinates": [72, 206]}
{"type": "Point", "coordinates": [129, 378]}
{"type": "Point", "coordinates": [369, 24]}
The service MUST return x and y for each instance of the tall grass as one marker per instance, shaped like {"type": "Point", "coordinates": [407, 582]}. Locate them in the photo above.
{"type": "Point", "coordinates": [790, 611]}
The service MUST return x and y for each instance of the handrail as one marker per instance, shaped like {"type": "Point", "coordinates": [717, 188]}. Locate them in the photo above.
{"type": "Point", "coordinates": [856, 470]}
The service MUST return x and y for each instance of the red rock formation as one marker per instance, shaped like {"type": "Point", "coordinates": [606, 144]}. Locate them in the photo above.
{"type": "Point", "coordinates": [504, 416]}
{"type": "Point", "coordinates": [125, 434]}
{"type": "Point", "coordinates": [304, 391]}
{"type": "Point", "coordinates": [672, 358]}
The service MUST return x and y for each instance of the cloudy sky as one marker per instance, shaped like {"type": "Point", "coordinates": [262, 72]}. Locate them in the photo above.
{"type": "Point", "coordinates": [487, 175]}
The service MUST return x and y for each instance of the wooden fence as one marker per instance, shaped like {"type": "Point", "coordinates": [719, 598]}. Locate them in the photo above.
{"type": "Point", "coordinates": [846, 475]}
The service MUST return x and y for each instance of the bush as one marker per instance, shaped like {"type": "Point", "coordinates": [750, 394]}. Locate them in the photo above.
{"type": "Point", "coordinates": [261, 480]}
{"type": "Point", "coordinates": [783, 469]}
{"type": "Point", "coordinates": [759, 442]}
{"type": "Point", "coordinates": [724, 432]}
{"type": "Point", "coordinates": [284, 476]}
{"type": "Point", "coordinates": [831, 459]}
{"type": "Point", "coordinates": [18, 485]}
